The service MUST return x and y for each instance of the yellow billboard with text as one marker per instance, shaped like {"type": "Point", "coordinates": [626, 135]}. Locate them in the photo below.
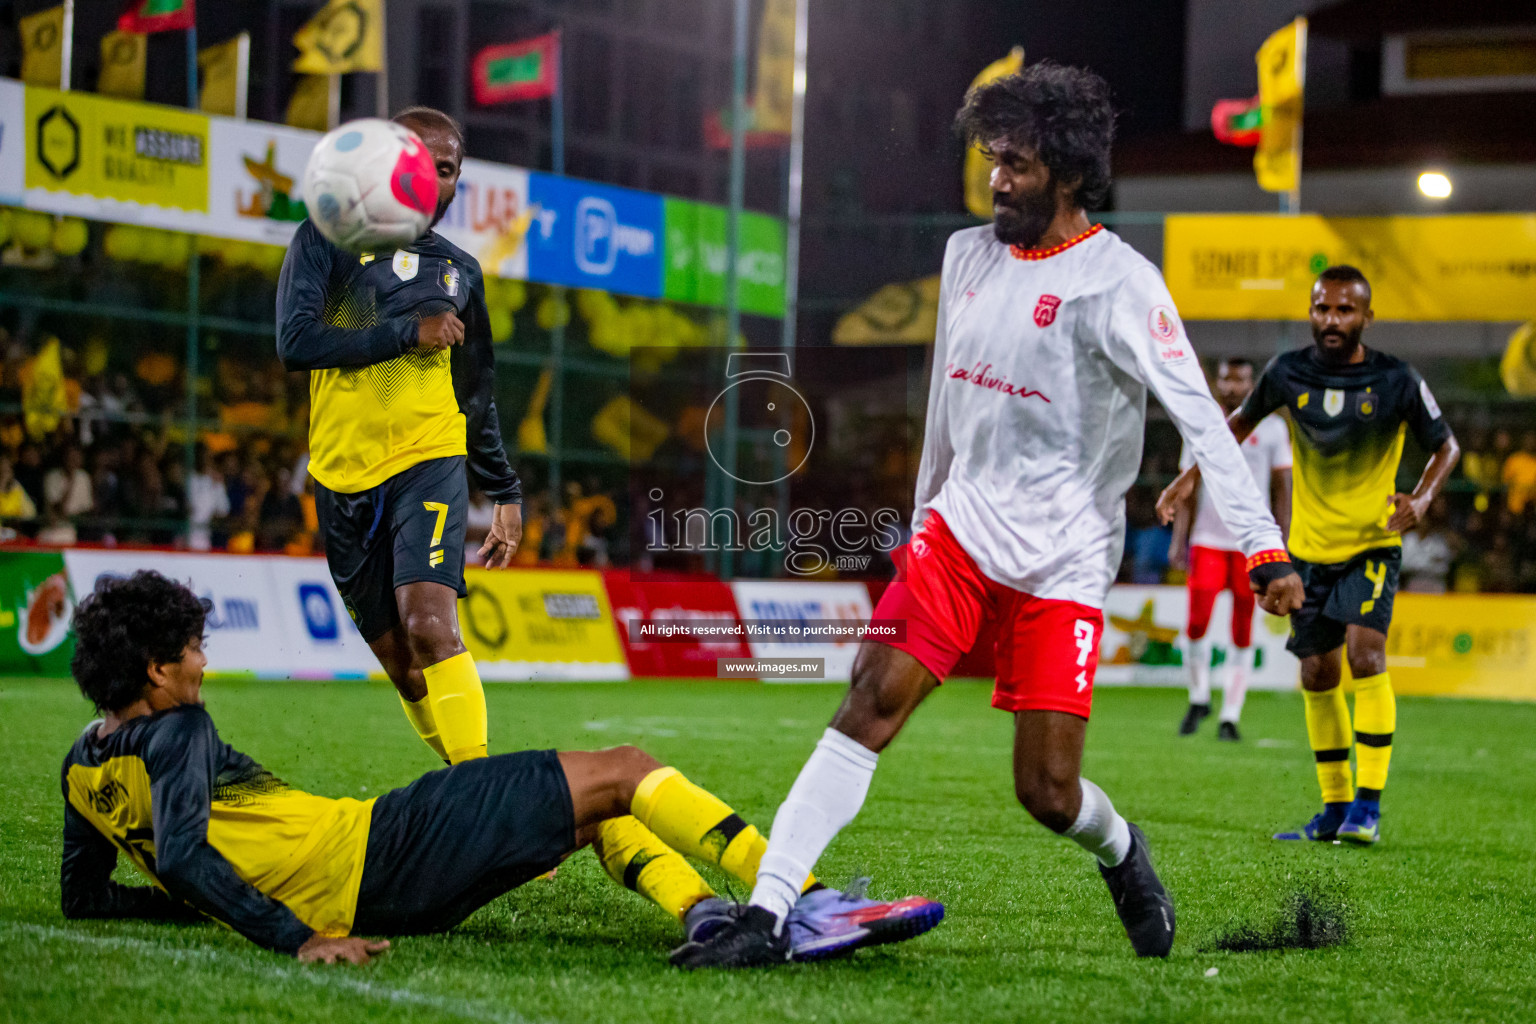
{"type": "Point", "coordinates": [113, 149]}
{"type": "Point", "coordinates": [523, 624]}
{"type": "Point", "coordinates": [1261, 266]}
{"type": "Point", "coordinates": [1460, 645]}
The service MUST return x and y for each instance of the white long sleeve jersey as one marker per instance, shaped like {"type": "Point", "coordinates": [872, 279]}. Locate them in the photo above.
{"type": "Point", "coordinates": [1037, 411]}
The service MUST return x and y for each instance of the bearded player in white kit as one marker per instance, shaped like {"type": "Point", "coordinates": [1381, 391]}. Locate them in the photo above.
{"type": "Point", "coordinates": [1051, 332]}
{"type": "Point", "coordinates": [1210, 553]}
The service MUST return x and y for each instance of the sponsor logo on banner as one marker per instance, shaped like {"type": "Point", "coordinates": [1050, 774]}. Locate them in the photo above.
{"type": "Point", "coordinates": [540, 624]}
{"type": "Point", "coordinates": [797, 602]}
{"type": "Point", "coordinates": [695, 257]}
{"type": "Point", "coordinates": [595, 236]}
{"type": "Point", "coordinates": [1463, 645]}
{"type": "Point", "coordinates": [255, 178]}
{"type": "Point", "coordinates": [319, 612]}
{"type": "Point", "coordinates": [1144, 640]}
{"type": "Point", "coordinates": [35, 606]}
{"type": "Point", "coordinates": [141, 153]}
{"type": "Point", "coordinates": [639, 600]}
{"type": "Point", "coordinates": [491, 216]}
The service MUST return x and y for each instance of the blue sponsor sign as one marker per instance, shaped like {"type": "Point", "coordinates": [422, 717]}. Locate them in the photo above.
{"type": "Point", "coordinates": [594, 236]}
{"type": "Point", "coordinates": [319, 615]}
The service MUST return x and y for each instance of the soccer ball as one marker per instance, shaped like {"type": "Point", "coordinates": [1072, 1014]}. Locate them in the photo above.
{"type": "Point", "coordinates": [371, 185]}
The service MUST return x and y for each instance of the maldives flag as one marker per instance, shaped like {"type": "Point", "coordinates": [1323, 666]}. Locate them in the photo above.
{"type": "Point", "coordinates": [1237, 122]}
{"type": "Point", "coordinates": [158, 16]}
{"type": "Point", "coordinates": [525, 70]}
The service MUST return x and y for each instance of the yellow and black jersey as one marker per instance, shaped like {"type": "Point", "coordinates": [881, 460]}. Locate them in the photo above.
{"type": "Point", "coordinates": [379, 404]}
{"type": "Point", "coordinates": [1347, 428]}
{"type": "Point", "coordinates": [211, 828]}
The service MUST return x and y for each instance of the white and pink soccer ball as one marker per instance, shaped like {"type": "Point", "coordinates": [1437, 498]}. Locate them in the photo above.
{"type": "Point", "coordinates": [371, 185]}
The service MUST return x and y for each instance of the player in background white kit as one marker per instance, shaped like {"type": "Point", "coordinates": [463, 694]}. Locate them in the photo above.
{"type": "Point", "coordinates": [1051, 332]}
{"type": "Point", "coordinates": [1214, 561]}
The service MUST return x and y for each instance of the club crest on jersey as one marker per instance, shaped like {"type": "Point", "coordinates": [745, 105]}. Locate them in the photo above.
{"type": "Point", "coordinates": [1045, 310]}
{"type": "Point", "coordinates": [1333, 401]}
{"type": "Point", "coordinates": [1365, 405]}
{"type": "Point", "coordinates": [451, 280]}
{"type": "Point", "coordinates": [405, 264]}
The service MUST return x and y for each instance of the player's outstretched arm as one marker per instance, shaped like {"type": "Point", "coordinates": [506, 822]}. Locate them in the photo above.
{"type": "Point", "coordinates": [1181, 493]}
{"type": "Point", "coordinates": [86, 889]}
{"type": "Point", "coordinates": [304, 340]}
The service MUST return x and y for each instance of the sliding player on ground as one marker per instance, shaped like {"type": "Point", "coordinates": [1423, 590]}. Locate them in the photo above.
{"type": "Point", "coordinates": [1051, 332]}
{"type": "Point", "coordinates": [220, 835]}
{"type": "Point", "coordinates": [1351, 407]}
{"type": "Point", "coordinates": [401, 379]}
{"type": "Point", "coordinates": [1215, 563]}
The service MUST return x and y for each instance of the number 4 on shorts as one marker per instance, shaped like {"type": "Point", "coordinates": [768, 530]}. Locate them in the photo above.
{"type": "Point", "coordinates": [435, 556]}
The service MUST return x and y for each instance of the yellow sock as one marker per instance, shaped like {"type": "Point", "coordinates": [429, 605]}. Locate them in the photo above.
{"type": "Point", "coordinates": [1328, 734]}
{"type": "Point", "coordinates": [1375, 721]}
{"type": "Point", "coordinates": [458, 706]}
{"type": "Point", "coordinates": [698, 824]}
{"type": "Point", "coordinates": [420, 715]}
{"type": "Point", "coordinates": [636, 859]}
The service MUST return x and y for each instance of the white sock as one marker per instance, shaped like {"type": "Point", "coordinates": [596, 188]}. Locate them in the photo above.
{"type": "Point", "coordinates": [1237, 686]}
{"type": "Point", "coordinates": [1099, 829]}
{"type": "Point", "coordinates": [1200, 671]}
{"type": "Point", "coordinates": [825, 798]}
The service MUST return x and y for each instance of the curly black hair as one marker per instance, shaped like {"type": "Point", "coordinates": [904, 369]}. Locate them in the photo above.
{"type": "Point", "coordinates": [1062, 113]}
{"type": "Point", "coordinates": [126, 624]}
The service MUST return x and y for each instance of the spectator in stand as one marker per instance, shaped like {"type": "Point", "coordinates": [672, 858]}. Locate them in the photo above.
{"type": "Point", "coordinates": [280, 518]}
{"type": "Point", "coordinates": [1519, 474]}
{"type": "Point", "coordinates": [535, 528]}
{"type": "Point", "coordinates": [67, 488]}
{"type": "Point", "coordinates": [1428, 551]}
{"type": "Point", "coordinates": [477, 525]}
{"type": "Point", "coordinates": [29, 471]}
{"type": "Point", "coordinates": [1499, 573]}
{"type": "Point", "coordinates": [15, 503]}
{"type": "Point", "coordinates": [207, 501]}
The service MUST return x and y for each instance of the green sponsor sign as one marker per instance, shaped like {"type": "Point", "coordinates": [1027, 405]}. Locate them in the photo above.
{"type": "Point", "coordinates": [695, 258]}
{"type": "Point", "coordinates": [35, 605]}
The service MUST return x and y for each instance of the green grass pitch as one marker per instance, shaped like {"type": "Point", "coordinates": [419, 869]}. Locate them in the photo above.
{"type": "Point", "coordinates": [1442, 914]}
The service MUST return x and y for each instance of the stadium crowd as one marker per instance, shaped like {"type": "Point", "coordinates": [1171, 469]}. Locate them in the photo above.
{"type": "Point", "coordinates": [111, 469]}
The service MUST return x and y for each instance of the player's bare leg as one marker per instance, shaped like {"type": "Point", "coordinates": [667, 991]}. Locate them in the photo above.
{"type": "Point", "coordinates": [393, 650]}
{"type": "Point", "coordinates": [1047, 762]}
{"type": "Point", "coordinates": [454, 697]}
{"type": "Point", "coordinates": [888, 685]}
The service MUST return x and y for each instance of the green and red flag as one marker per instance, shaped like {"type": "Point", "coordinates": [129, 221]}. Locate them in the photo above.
{"type": "Point", "coordinates": [525, 70]}
{"type": "Point", "coordinates": [1237, 122]}
{"type": "Point", "coordinates": [158, 16]}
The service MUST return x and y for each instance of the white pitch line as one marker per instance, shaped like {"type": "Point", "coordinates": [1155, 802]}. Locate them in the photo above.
{"type": "Point", "coordinates": [319, 976]}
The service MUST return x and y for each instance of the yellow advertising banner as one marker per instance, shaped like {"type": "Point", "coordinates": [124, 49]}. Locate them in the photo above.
{"type": "Point", "coordinates": [110, 149]}
{"type": "Point", "coordinates": [1460, 645]}
{"type": "Point", "coordinates": [1261, 266]}
{"type": "Point", "coordinates": [541, 624]}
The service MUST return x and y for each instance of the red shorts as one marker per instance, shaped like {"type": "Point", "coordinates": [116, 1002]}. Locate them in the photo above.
{"type": "Point", "coordinates": [1212, 570]}
{"type": "Point", "coordinates": [1047, 651]}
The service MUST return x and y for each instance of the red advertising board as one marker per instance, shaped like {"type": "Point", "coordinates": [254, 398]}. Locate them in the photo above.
{"type": "Point", "coordinates": [672, 597]}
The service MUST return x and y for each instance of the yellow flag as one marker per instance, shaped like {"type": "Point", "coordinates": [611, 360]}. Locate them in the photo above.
{"type": "Point", "coordinates": [978, 169]}
{"type": "Point", "coordinates": [223, 75]}
{"type": "Point", "coordinates": [42, 391]}
{"type": "Point", "coordinates": [1518, 367]}
{"type": "Point", "coordinates": [898, 314]}
{"type": "Point", "coordinates": [347, 35]}
{"type": "Point", "coordinates": [122, 65]}
{"type": "Point", "coordinates": [42, 47]}
{"type": "Point", "coordinates": [1282, 64]}
{"type": "Point", "coordinates": [310, 105]}
{"type": "Point", "coordinates": [773, 102]}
